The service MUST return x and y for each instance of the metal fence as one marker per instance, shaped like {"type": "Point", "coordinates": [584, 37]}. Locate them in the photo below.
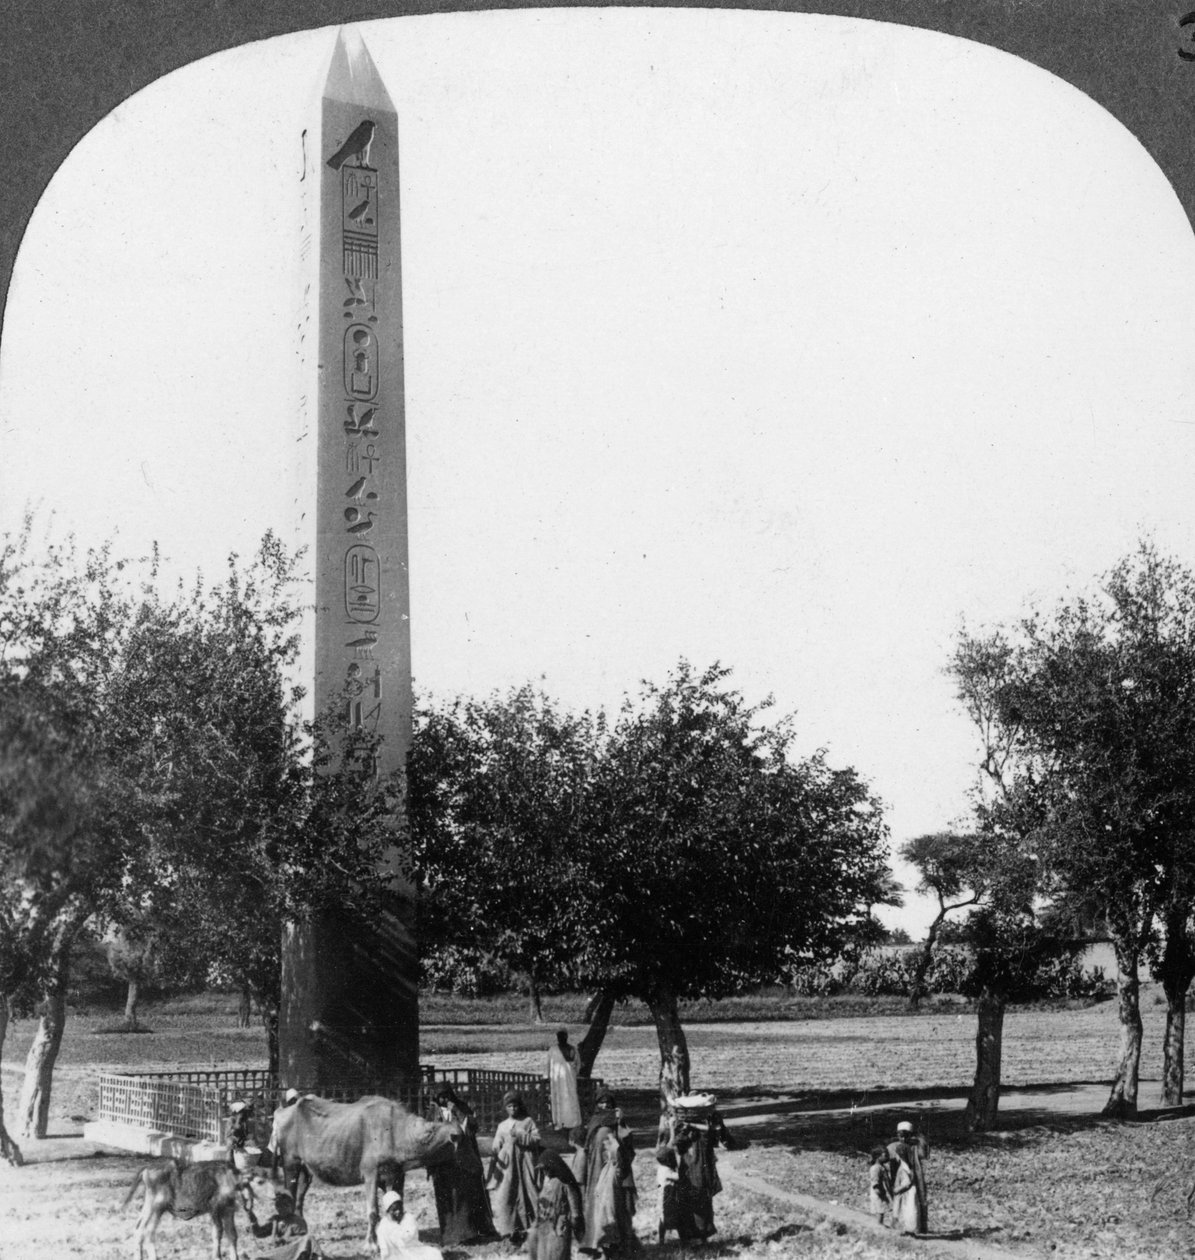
{"type": "Point", "coordinates": [185, 1109]}
{"type": "Point", "coordinates": [195, 1103]}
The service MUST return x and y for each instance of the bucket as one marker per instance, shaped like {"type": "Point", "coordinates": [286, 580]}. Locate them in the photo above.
{"type": "Point", "coordinates": [246, 1158]}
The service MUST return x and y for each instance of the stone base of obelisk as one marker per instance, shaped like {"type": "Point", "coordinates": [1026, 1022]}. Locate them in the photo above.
{"type": "Point", "coordinates": [349, 1018]}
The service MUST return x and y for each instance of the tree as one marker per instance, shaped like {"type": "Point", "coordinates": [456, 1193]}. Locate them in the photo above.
{"type": "Point", "coordinates": [154, 776]}
{"type": "Point", "coordinates": [498, 790]}
{"type": "Point", "coordinates": [209, 733]}
{"type": "Point", "coordinates": [947, 866]}
{"type": "Point", "coordinates": [712, 858]}
{"type": "Point", "coordinates": [64, 806]}
{"type": "Point", "coordinates": [135, 960]}
{"type": "Point", "coordinates": [258, 819]}
{"type": "Point", "coordinates": [1090, 745]}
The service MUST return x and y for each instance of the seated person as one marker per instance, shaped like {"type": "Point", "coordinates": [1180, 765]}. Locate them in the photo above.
{"type": "Point", "coordinates": [287, 1230]}
{"type": "Point", "coordinates": [398, 1233]}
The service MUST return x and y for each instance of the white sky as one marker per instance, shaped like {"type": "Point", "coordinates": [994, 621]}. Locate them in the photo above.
{"type": "Point", "coordinates": [777, 339]}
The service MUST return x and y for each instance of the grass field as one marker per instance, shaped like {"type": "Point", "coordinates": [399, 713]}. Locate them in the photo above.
{"type": "Point", "coordinates": [1055, 1182]}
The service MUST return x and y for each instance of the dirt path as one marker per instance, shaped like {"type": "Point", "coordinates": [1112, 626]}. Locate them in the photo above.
{"type": "Point", "coordinates": [859, 1222]}
{"type": "Point", "coordinates": [875, 1112]}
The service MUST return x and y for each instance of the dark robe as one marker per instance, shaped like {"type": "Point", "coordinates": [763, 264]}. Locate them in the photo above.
{"type": "Point", "coordinates": [609, 1185]}
{"type": "Point", "coordinates": [688, 1202]}
{"type": "Point", "coordinates": [462, 1205]}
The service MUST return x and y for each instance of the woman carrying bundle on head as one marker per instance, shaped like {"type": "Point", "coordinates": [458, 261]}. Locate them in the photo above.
{"type": "Point", "coordinates": [688, 1175]}
{"type": "Point", "coordinates": [609, 1181]}
{"type": "Point", "coordinates": [462, 1205]}
{"type": "Point", "coordinates": [512, 1170]}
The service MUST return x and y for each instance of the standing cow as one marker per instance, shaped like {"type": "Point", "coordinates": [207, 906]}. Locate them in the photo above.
{"type": "Point", "coordinates": [373, 1141]}
{"type": "Point", "coordinates": [187, 1190]}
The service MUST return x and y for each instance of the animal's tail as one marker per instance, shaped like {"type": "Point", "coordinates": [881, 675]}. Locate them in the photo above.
{"type": "Point", "coordinates": [133, 1188]}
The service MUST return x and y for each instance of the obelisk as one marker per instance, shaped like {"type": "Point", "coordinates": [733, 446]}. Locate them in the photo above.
{"type": "Point", "coordinates": [349, 1013]}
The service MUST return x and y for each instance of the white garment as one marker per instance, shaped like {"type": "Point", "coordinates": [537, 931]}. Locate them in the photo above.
{"type": "Point", "coordinates": [562, 1082]}
{"type": "Point", "coordinates": [399, 1240]}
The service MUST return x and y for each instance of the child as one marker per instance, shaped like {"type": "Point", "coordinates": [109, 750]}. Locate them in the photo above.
{"type": "Point", "coordinates": [558, 1213]}
{"type": "Point", "coordinates": [879, 1184]}
{"type": "Point", "coordinates": [398, 1233]}
{"type": "Point", "coordinates": [286, 1230]}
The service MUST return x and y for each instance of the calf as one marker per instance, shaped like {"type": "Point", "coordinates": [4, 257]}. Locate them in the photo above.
{"type": "Point", "coordinates": [187, 1191]}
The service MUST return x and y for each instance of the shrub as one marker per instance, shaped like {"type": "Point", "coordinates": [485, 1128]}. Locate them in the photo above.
{"type": "Point", "coordinates": [465, 972]}
{"type": "Point", "coordinates": [951, 970]}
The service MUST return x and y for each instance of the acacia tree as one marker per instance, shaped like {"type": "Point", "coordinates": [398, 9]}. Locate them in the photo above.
{"type": "Point", "coordinates": [1090, 714]}
{"type": "Point", "coordinates": [712, 856]}
{"type": "Point", "coordinates": [947, 866]}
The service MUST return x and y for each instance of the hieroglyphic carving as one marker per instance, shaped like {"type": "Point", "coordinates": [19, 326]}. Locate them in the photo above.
{"type": "Point", "coordinates": [364, 450]}
{"type": "Point", "coordinates": [359, 196]}
{"type": "Point", "coordinates": [360, 692]}
{"type": "Point", "coordinates": [362, 584]}
{"type": "Point", "coordinates": [360, 362]}
{"type": "Point", "coordinates": [361, 300]}
{"type": "Point", "coordinates": [362, 420]}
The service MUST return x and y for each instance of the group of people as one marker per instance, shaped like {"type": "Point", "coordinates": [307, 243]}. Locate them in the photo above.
{"type": "Point", "coordinates": [896, 1182]}
{"type": "Point", "coordinates": [583, 1193]}
{"type": "Point", "coordinates": [577, 1188]}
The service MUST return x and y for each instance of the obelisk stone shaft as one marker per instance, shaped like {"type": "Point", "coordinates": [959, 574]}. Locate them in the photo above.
{"type": "Point", "coordinates": [349, 986]}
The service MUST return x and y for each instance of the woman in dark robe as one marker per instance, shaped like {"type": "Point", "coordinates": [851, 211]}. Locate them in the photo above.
{"type": "Point", "coordinates": [688, 1183]}
{"type": "Point", "coordinates": [462, 1204]}
{"type": "Point", "coordinates": [609, 1181]}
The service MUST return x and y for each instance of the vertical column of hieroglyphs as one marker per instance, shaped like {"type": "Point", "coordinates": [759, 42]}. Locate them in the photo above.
{"type": "Point", "coordinates": [362, 619]}
{"type": "Point", "coordinates": [364, 513]}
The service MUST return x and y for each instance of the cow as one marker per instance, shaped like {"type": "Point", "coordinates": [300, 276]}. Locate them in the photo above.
{"type": "Point", "coordinates": [372, 1141]}
{"type": "Point", "coordinates": [186, 1190]}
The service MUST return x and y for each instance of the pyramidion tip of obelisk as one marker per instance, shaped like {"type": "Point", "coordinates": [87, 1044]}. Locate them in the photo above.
{"type": "Point", "coordinates": [352, 76]}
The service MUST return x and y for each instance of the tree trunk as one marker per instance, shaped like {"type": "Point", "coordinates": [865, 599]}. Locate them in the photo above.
{"type": "Point", "coordinates": [1172, 1049]}
{"type": "Point", "coordinates": [1176, 971]}
{"type": "Point", "coordinates": [1122, 1101]}
{"type": "Point", "coordinates": [989, 1038]}
{"type": "Point", "coordinates": [537, 1010]}
{"type": "Point", "coordinates": [591, 1007]}
{"type": "Point", "coordinates": [917, 982]}
{"type": "Point", "coordinates": [244, 1008]}
{"type": "Point", "coordinates": [269, 1017]}
{"type": "Point", "coordinates": [34, 1107]}
{"type": "Point", "coordinates": [674, 1049]}
{"type": "Point", "coordinates": [9, 1150]}
{"type": "Point", "coordinates": [130, 1003]}
{"type": "Point", "coordinates": [598, 1012]}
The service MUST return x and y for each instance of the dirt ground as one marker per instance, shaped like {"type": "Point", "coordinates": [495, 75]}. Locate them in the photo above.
{"type": "Point", "coordinates": [797, 1190]}
{"type": "Point", "coordinates": [812, 1097]}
